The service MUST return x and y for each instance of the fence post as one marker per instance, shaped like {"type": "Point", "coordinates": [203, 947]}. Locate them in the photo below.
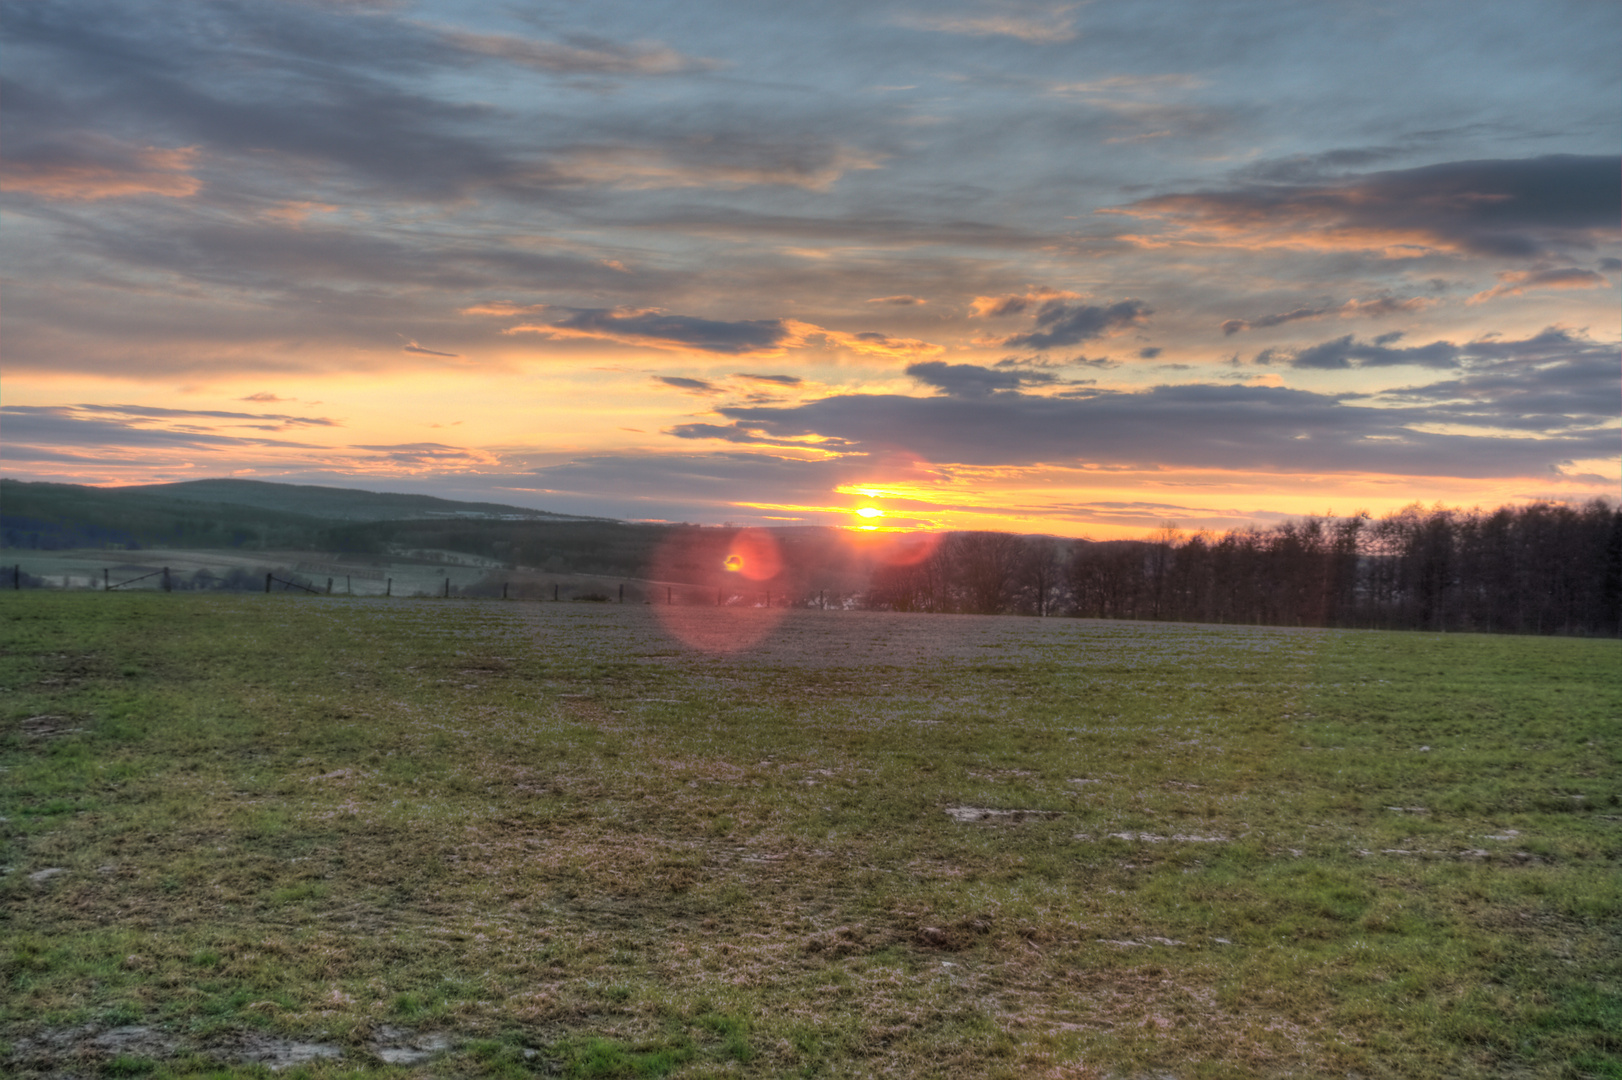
{"type": "Point", "coordinates": [17, 576]}
{"type": "Point", "coordinates": [667, 596]}
{"type": "Point", "coordinates": [447, 586]}
{"type": "Point", "coordinates": [329, 586]}
{"type": "Point", "coordinates": [768, 598]}
{"type": "Point", "coordinates": [717, 597]}
{"type": "Point", "coordinates": [504, 590]}
{"type": "Point", "coordinates": [106, 580]}
{"type": "Point", "coordinates": [554, 590]}
{"type": "Point", "coordinates": [267, 584]}
{"type": "Point", "coordinates": [388, 587]}
{"type": "Point", "coordinates": [622, 593]}
{"type": "Point", "coordinates": [348, 588]}
{"type": "Point", "coordinates": [166, 584]}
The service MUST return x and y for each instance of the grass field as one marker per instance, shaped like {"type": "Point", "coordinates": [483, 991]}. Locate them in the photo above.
{"type": "Point", "coordinates": [418, 837]}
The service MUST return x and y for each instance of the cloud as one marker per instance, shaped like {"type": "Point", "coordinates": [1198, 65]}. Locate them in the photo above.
{"type": "Point", "coordinates": [1555, 381]}
{"type": "Point", "coordinates": [1347, 352]}
{"type": "Point", "coordinates": [970, 380]}
{"type": "Point", "coordinates": [583, 55]}
{"type": "Point", "coordinates": [148, 413]}
{"type": "Point", "coordinates": [1569, 384]}
{"type": "Point", "coordinates": [900, 301]}
{"type": "Point", "coordinates": [82, 166]}
{"type": "Point", "coordinates": [780, 380]}
{"type": "Point", "coordinates": [687, 333]}
{"type": "Point", "coordinates": [707, 163]}
{"type": "Point", "coordinates": [676, 486]}
{"type": "Point", "coordinates": [413, 347]}
{"type": "Point", "coordinates": [83, 430]}
{"type": "Point", "coordinates": [1376, 308]}
{"type": "Point", "coordinates": [872, 343]}
{"type": "Point", "coordinates": [264, 396]}
{"type": "Point", "coordinates": [1035, 24]}
{"type": "Point", "coordinates": [427, 456]}
{"type": "Point", "coordinates": [998, 307]}
{"type": "Point", "coordinates": [658, 330]}
{"type": "Point", "coordinates": [1516, 282]}
{"type": "Point", "coordinates": [1502, 208]}
{"type": "Point", "coordinates": [1149, 353]}
{"type": "Point", "coordinates": [501, 308]}
{"type": "Point", "coordinates": [695, 386]}
{"type": "Point", "coordinates": [1070, 324]}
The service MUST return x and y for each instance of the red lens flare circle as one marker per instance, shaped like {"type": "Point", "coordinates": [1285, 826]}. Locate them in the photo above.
{"type": "Point", "coordinates": [907, 549]}
{"type": "Point", "coordinates": [719, 592]}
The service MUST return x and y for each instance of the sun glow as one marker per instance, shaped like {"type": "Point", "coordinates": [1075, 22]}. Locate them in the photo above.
{"type": "Point", "coordinates": [870, 512]}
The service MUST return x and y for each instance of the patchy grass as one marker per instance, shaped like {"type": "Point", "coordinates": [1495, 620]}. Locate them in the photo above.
{"type": "Point", "coordinates": [353, 838]}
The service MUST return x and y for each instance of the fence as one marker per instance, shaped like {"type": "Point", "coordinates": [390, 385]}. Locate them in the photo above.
{"type": "Point", "coordinates": [240, 580]}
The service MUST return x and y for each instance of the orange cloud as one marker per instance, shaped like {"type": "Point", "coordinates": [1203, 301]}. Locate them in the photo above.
{"type": "Point", "coordinates": [141, 171]}
{"type": "Point", "coordinates": [502, 308]}
{"type": "Point", "coordinates": [1517, 282]}
{"type": "Point", "coordinates": [638, 168]}
{"type": "Point", "coordinates": [991, 307]}
{"type": "Point", "coordinates": [758, 338]}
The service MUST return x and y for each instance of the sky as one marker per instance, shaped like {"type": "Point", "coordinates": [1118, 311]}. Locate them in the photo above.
{"type": "Point", "coordinates": [1084, 269]}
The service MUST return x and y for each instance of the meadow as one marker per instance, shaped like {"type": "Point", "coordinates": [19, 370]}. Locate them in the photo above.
{"type": "Point", "coordinates": [363, 837]}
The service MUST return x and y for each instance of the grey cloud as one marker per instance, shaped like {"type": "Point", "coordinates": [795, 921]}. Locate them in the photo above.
{"type": "Point", "coordinates": [321, 88]}
{"type": "Point", "coordinates": [901, 301]}
{"type": "Point", "coordinates": [66, 426]}
{"type": "Point", "coordinates": [1544, 379]}
{"type": "Point", "coordinates": [1563, 276]}
{"type": "Point", "coordinates": [1378, 307]}
{"type": "Point", "coordinates": [1149, 353]}
{"type": "Point", "coordinates": [1610, 265]}
{"type": "Point", "coordinates": [682, 383]}
{"type": "Point", "coordinates": [1506, 207]}
{"type": "Point", "coordinates": [1550, 345]}
{"type": "Point", "coordinates": [709, 335]}
{"type": "Point", "coordinates": [673, 485]}
{"type": "Point", "coordinates": [1347, 352]}
{"type": "Point", "coordinates": [580, 55]}
{"type": "Point", "coordinates": [1063, 323]}
{"type": "Point", "coordinates": [413, 347]}
{"type": "Point", "coordinates": [153, 412]}
{"type": "Point", "coordinates": [1554, 381]}
{"type": "Point", "coordinates": [780, 380]}
{"type": "Point", "coordinates": [971, 380]}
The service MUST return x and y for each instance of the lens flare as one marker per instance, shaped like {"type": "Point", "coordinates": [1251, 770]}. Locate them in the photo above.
{"type": "Point", "coordinates": [908, 549]}
{"type": "Point", "coordinates": [754, 554]}
{"type": "Point", "coordinates": [722, 592]}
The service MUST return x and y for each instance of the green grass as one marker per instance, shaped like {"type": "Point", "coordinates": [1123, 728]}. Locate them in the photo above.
{"type": "Point", "coordinates": [556, 840]}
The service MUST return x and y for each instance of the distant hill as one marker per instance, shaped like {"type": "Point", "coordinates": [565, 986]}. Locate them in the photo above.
{"type": "Point", "coordinates": [54, 516]}
{"type": "Point", "coordinates": [340, 504]}
{"type": "Point", "coordinates": [235, 514]}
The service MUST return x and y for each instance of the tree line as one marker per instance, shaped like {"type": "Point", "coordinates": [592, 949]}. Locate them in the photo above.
{"type": "Point", "coordinates": [1537, 568]}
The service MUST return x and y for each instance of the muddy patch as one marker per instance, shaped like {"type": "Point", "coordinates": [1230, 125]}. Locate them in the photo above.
{"type": "Point", "coordinates": [45, 1054]}
{"type": "Point", "coordinates": [398, 1046]}
{"type": "Point", "coordinates": [1151, 838]}
{"type": "Point", "coordinates": [993, 816]}
{"type": "Point", "coordinates": [278, 1054]}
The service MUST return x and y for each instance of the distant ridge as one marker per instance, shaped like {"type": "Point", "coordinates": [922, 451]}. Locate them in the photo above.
{"type": "Point", "coordinates": [341, 504]}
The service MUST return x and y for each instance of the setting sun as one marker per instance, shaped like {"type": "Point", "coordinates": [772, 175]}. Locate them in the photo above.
{"type": "Point", "coordinates": [870, 512]}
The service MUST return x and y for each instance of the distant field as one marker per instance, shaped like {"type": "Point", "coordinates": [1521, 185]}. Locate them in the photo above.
{"type": "Point", "coordinates": [465, 838]}
{"type": "Point", "coordinates": [83, 568]}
